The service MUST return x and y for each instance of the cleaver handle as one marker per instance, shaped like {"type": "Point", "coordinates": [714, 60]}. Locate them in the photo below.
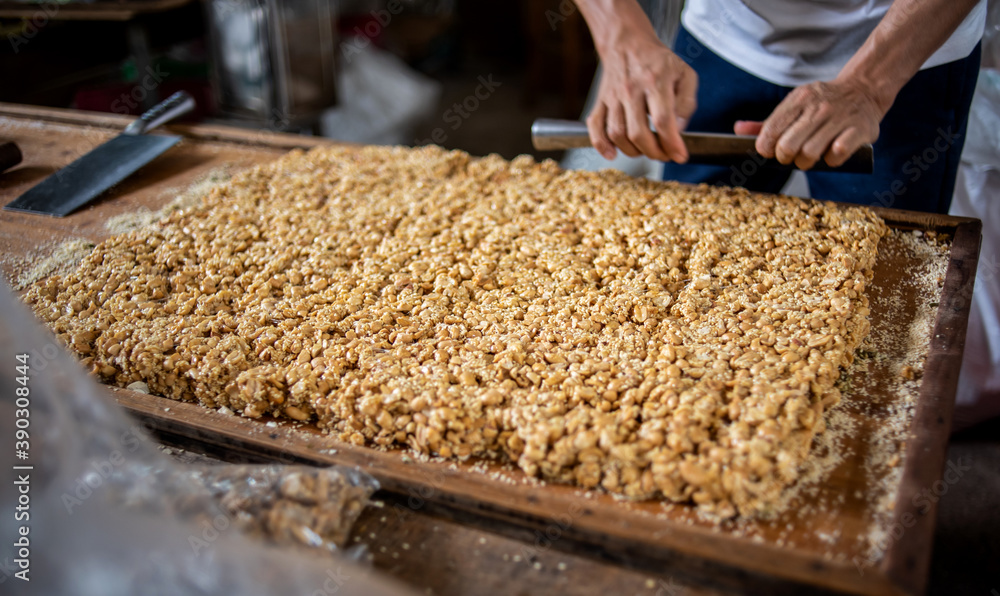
{"type": "Point", "coordinates": [176, 105]}
{"type": "Point", "coordinates": [549, 134]}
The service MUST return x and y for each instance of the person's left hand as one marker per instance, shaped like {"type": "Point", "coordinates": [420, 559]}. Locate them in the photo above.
{"type": "Point", "coordinates": [827, 121]}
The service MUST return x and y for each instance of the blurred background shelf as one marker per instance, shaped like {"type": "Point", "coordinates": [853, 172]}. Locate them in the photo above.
{"type": "Point", "coordinates": [121, 57]}
{"type": "Point", "coordinates": [87, 11]}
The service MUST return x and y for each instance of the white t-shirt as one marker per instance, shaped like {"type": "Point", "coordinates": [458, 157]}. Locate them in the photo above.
{"type": "Point", "coordinates": [793, 42]}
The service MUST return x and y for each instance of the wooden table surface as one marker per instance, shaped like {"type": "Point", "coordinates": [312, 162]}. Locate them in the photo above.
{"type": "Point", "coordinates": [434, 546]}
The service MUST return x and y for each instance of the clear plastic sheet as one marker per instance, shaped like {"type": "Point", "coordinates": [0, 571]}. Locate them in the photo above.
{"type": "Point", "coordinates": [285, 505]}
{"type": "Point", "coordinates": [289, 505]}
{"type": "Point", "coordinates": [89, 505]}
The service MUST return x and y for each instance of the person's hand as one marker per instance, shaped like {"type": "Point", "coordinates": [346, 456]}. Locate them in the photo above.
{"type": "Point", "coordinates": [828, 121]}
{"type": "Point", "coordinates": [642, 83]}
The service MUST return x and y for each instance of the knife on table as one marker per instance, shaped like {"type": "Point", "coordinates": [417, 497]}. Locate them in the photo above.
{"type": "Point", "coordinates": [703, 148]}
{"type": "Point", "coordinates": [83, 180]}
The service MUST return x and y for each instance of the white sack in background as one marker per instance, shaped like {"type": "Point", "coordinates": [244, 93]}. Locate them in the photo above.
{"type": "Point", "coordinates": [381, 100]}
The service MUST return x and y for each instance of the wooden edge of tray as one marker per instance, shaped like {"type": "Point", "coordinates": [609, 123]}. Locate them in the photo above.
{"type": "Point", "coordinates": [901, 218]}
{"type": "Point", "coordinates": [907, 562]}
{"type": "Point", "coordinates": [617, 531]}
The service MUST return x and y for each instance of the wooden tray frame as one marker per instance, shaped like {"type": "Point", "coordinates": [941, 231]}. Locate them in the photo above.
{"type": "Point", "coordinates": [903, 569]}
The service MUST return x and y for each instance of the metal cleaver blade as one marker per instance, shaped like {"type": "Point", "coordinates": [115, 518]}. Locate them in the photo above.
{"type": "Point", "coordinates": [81, 181]}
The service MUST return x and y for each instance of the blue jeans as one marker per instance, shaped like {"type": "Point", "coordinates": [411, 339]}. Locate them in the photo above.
{"type": "Point", "coordinates": [916, 155]}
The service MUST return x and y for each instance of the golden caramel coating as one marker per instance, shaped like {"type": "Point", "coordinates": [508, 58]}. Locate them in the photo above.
{"type": "Point", "coordinates": [650, 338]}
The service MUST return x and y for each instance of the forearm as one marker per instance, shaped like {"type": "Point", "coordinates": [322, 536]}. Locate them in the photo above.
{"type": "Point", "coordinates": [910, 32]}
{"type": "Point", "coordinates": [613, 22]}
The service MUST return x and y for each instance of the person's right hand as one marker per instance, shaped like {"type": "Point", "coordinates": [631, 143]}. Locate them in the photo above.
{"type": "Point", "coordinates": [642, 82]}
